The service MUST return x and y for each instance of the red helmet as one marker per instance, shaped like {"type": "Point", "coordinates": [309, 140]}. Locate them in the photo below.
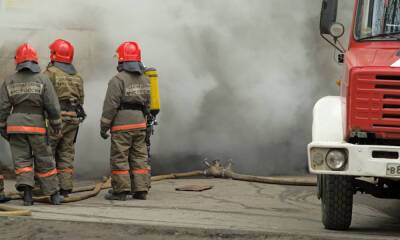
{"type": "Point", "coordinates": [24, 53]}
{"type": "Point", "coordinates": [61, 51]}
{"type": "Point", "coordinates": [129, 52]}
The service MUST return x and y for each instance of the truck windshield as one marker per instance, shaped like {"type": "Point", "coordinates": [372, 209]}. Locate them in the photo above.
{"type": "Point", "coordinates": [378, 20]}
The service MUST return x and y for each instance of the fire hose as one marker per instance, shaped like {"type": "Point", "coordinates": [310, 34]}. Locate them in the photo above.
{"type": "Point", "coordinates": [217, 170]}
{"type": "Point", "coordinates": [214, 169]}
{"type": "Point", "coordinates": [6, 211]}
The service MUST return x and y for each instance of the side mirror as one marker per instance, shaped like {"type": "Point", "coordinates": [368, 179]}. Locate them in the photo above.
{"type": "Point", "coordinates": [328, 15]}
{"type": "Point", "coordinates": [336, 30]}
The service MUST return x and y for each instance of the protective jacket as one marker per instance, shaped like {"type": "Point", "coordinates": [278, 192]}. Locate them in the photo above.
{"type": "Point", "coordinates": [127, 102]}
{"type": "Point", "coordinates": [25, 98]}
{"type": "Point", "coordinates": [68, 85]}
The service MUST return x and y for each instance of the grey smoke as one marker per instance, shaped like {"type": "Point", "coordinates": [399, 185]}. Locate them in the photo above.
{"type": "Point", "coordinates": [238, 78]}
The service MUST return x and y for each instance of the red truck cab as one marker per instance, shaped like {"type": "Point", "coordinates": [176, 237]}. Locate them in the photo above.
{"type": "Point", "coordinates": [372, 83]}
{"type": "Point", "coordinates": [356, 136]}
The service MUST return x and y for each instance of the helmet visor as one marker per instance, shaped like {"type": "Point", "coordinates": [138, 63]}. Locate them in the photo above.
{"type": "Point", "coordinates": [32, 66]}
{"type": "Point", "coordinates": [131, 67]}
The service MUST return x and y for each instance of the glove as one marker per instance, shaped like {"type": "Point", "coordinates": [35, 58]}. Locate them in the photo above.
{"type": "Point", "coordinates": [103, 133]}
{"type": "Point", "coordinates": [57, 130]}
{"type": "Point", "coordinates": [3, 132]}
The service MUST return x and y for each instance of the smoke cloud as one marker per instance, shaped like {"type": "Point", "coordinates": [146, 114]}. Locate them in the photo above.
{"type": "Point", "coordinates": [238, 78]}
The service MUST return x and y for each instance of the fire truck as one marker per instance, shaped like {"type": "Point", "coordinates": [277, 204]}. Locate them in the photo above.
{"type": "Point", "coordinates": [356, 136]}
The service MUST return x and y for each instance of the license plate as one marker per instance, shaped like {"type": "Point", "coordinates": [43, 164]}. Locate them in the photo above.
{"type": "Point", "coordinates": [393, 169]}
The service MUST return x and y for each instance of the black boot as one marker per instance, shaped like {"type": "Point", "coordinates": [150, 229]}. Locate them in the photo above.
{"type": "Point", "coordinates": [140, 195]}
{"type": "Point", "coordinates": [28, 196]}
{"type": "Point", "coordinates": [55, 199]}
{"type": "Point", "coordinates": [116, 196]}
{"type": "Point", "coordinates": [111, 191]}
{"type": "Point", "coordinates": [4, 198]}
{"type": "Point", "coordinates": [65, 193]}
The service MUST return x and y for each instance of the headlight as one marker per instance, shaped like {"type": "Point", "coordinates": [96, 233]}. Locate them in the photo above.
{"type": "Point", "coordinates": [336, 159]}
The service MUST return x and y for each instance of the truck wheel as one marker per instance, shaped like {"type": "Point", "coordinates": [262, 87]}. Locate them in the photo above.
{"type": "Point", "coordinates": [337, 201]}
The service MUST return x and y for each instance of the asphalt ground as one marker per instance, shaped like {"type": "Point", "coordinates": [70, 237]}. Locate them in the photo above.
{"type": "Point", "coordinates": [230, 210]}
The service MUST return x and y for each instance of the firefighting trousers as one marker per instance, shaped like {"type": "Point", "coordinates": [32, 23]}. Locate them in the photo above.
{"type": "Point", "coordinates": [1, 184]}
{"type": "Point", "coordinates": [130, 169]}
{"type": "Point", "coordinates": [32, 157]}
{"type": "Point", "coordinates": [64, 153]}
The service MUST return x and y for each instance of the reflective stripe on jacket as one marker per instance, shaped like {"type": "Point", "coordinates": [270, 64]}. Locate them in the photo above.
{"type": "Point", "coordinates": [25, 129]}
{"type": "Point", "coordinates": [117, 128]}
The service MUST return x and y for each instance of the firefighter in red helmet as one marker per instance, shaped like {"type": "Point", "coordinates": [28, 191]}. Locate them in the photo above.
{"type": "Point", "coordinates": [69, 88]}
{"type": "Point", "coordinates": [125, 109]}
{"type": "Point", "coordinates": [27, 98]}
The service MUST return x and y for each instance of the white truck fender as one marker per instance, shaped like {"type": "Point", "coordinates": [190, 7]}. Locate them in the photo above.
{"type": "Point", "coordinates": [327, 120]}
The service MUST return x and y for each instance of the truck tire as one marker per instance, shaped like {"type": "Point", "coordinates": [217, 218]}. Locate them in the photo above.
{"type": "Point", "coordinates": [337, 201]}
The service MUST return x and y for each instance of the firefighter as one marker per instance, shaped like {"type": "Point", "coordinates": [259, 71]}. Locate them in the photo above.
{"type": "Point", "coordinates": [27, 99]}
{"type": "Point", "coordinates": [69, 88]}
{"type": "Point", "coordinates": [125, 110]}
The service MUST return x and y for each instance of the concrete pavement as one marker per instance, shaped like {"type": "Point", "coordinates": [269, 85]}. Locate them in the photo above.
{"type": "Point", "coordinates": [230, 207]}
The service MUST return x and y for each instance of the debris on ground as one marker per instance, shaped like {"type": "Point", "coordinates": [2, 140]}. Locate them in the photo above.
{"type": "Point", "coordinates": [194, 188]}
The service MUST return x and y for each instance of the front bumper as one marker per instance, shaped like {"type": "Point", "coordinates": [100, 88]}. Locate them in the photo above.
{"type": "Point", "coordinates": [361, 160]}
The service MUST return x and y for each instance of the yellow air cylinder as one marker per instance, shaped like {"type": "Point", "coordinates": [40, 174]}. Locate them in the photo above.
{"type": "Point", "coordinates": [152, 74]}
